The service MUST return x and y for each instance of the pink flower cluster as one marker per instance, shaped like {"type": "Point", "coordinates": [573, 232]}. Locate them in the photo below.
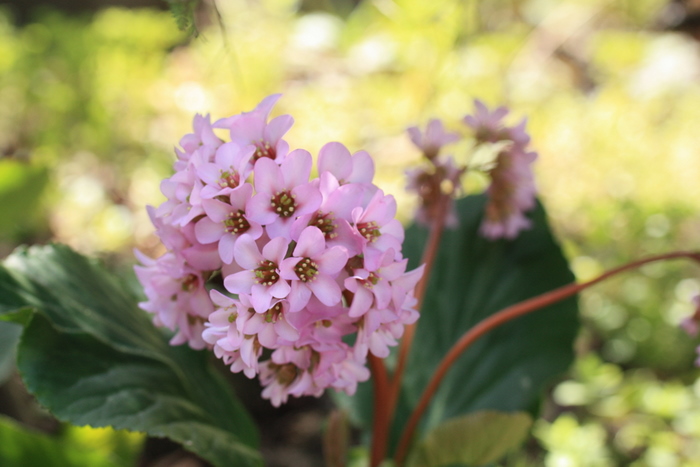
{"type": "Point", "coordinates": [260, 257]}
{"type": "Point", "coordinates": [512, 191]}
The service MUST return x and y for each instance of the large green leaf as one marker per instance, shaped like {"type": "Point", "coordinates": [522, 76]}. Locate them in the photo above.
{"type": "Point", "coordinates": [473, 278]}
{"type": "Point", "coordinates": [475, 439]}
{"type": "Point", "coordinates": [93, 358]}
{"type": "Point", "coordinates": [9, 337]}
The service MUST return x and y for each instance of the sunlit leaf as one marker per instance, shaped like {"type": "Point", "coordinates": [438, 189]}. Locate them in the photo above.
{"type": "Point", "coordinates": [475, 439]}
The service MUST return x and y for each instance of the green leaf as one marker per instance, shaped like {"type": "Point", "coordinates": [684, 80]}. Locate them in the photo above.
{"type": "Point", "coordinates": [22, 447]}
{"type": "Point", "coordinates": [9, 337]}
{"type": "Point", "coordinates": [92, 357]}
{"type": "Point", "coordinates": [475, 439]}
{"type": "Point", "coordinates": [183, 12]}
{"type": "Point", "coordinates": [507, 369]}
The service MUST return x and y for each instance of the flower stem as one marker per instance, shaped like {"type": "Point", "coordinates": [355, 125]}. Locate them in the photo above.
{"type": "Point", "coordinates": [380, 424]}
{"type": "Point", "coordinates": [502, 317]}
{"type": "Point", "coordinates": [386, 392]}
{"type": "Point", "coordinates": [429, 255]}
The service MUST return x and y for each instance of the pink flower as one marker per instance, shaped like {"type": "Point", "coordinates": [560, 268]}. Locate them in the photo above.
{"type": "Point", "coordinates": [225, 223]}
{"type": "Point", "coordinates": [261, 277]}
{"type": "Point", "coordinates": [283, 193]}
{"type": "Point", "coordinates": [252, 128]}
{"type": "Point", "coordinates": [334, 215]}
{"type": "Point", "coordinates": [227, 172]}
{"type": "Point", "coordinates": [429, 183]}
{"type": "Point", "coordinates": [176, 296]}
{"type": "Point", "coordinates": [511, 193]}
{"type": "Point", "coordinates": [487, 125]}
{"type": "Point", "coordinates": [434, 138]}
{"type": "Point", "coordinates": [272, 327]}
{"type": "Point", "coordinates": [512, 190]}
{"type": "Point", "coordinates": [336, 159]}
{"type": "Point", "coordinates": [312, 269]}
{"type": "Point", "coordinates": [376, 226]}
{"type": "Point", "coordinates": [371, 285]}
{"type": "Point", "coordinates": [203, 136]}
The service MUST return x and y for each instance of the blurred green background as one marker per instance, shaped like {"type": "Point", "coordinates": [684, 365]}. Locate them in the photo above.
{"type": "Point", "coordinates": [92, 104]}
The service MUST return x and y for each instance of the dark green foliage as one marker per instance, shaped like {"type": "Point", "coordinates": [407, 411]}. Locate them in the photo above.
{"type": "Point", "coordinates": [93, 358]}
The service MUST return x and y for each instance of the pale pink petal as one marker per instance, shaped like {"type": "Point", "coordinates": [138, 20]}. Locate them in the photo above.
{"type": "Point", "coordinates": [226, 247]}
{"type": "Point", "coordinates": [361, 302]}
{"type": "Point", "coordinates": [275, 250]}
{"type": "Point", "coordinates": [311, 243]}
{"type": "Point", "coordinates": [394, 270]}
{"type": "Point", "coordinates": [277, 127]}
{"type": "Point", "coordinates": [210, 174]}
{"type": "Point", "coordinates": [240, 282]}
{"type": "Point", "coordinates": [286, 331]}
{"type": "Point", "coordinates": [287, 269]}
{"type": "Point", "coordinates": [382, 293]}
{"type": "Point", "coordinates": [336, 159]}
{"type": "Point", "coordinates": [280, 228]}
{"type": "Point", "coordinates": [343, 200]}
{"type": "Point", "coordinates": [362, 168]}
{"type": "Point", "coordinates": [308, 198]}
{"type": "Point", "coordinates": [279, 289]}
{"type": "Point", "coordinates": [296, 168]}
{"type": "Point", "coordinates": [207, 231]}
{"type": "Point", "coordinates": [260, 298]}
{"type": "Point", "coordinates": [240, 196]}
{"type": "Point", "coordinates": [202, 257]}
{"type": "Point", "coordinates": [332, 260]}
{"type": "Point", "coordinates": [226, 154]}
{"type": "Point", "coordinates": [298, 296]}
{"type": "Point", "coordinates": [268, 176]}
{"type": "Point", "coordinates": [246, 252]}
{"type": "Point", "coordinates": [326, 289]}
{"type": "Point", "coordinates": [259, 210]}
{"type": "Point", "coordinates": [216, 210]}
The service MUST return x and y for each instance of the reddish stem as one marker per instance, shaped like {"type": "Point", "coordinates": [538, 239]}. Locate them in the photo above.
{"type": "Point", "coordinates": [380, 424]}
{"type": "Point", "coordinates": [386, 392]}
{"type": "Point", "coordinates": [429, 255]}
{"type": "Point", "coordinates": [500, 318]}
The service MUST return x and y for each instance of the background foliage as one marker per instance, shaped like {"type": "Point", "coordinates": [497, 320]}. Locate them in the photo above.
{"type": "Point", "coordinates": [94, 103]}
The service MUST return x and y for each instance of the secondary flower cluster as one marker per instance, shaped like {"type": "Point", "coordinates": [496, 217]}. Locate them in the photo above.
{"type": "Point", "coordinates": [512, 190]}
{"type": "Point", "coordinates": [260, 257]}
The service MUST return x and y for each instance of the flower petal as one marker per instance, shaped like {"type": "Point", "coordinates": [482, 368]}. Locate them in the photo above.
{"type": "Point", "coordinates": [206, 231]}
{"type": "Point", "coordinates": [240, 282]}
{"type": "Point", "coordinates": [326, 289]}
{"type": "Point", "coordinates": [246, 252]}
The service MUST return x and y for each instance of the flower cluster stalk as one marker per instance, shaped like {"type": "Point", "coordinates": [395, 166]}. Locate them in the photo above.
{"type": "Point", "coordinates": [502, 317]}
